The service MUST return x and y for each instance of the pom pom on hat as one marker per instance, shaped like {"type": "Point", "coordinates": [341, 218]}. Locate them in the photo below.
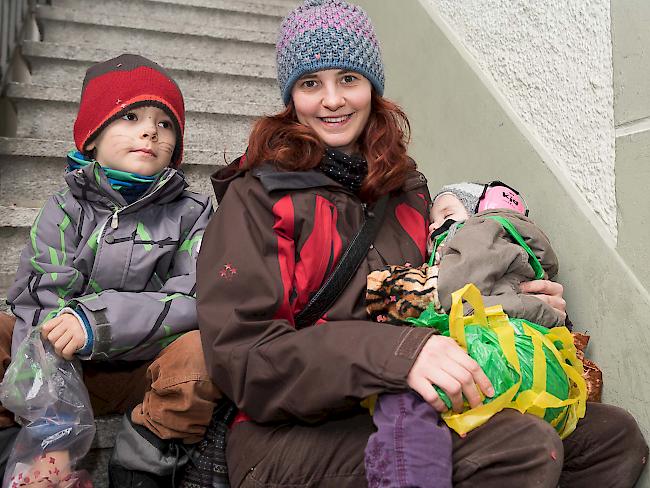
{"type": "Point", "coordinates": [327, 34]}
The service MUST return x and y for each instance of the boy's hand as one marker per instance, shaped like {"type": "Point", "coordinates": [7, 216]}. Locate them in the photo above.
{"type": "Point", "coordinates": [65, 333]}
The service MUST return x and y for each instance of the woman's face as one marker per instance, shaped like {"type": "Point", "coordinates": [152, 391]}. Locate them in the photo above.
{"type": "Point", "coordinates": [335, 104]}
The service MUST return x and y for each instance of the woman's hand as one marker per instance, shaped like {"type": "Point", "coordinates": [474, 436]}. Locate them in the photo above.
{"type": "Point", "coordinates": [442, 362]}
{"type": "Point", "coordinates": [547, 291]}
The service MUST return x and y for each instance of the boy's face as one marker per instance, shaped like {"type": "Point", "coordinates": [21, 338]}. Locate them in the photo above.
{"type": "Point", "coordinates": [141, 142]}
{"type": "Point", "coordinates": [446, 206]}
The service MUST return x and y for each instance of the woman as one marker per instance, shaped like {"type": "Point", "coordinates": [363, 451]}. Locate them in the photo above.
{"type": "Point", "coordinates": [288, 209]}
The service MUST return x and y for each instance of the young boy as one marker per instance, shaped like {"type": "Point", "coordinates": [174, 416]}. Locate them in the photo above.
{"type": "Point", "coordinates": [411, 438]}
{"type": "Point", "coordinates": [109, 271]}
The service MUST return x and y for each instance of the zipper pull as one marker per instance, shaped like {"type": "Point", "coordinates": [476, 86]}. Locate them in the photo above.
{"type": "Point", "coordinates": [114, 221]}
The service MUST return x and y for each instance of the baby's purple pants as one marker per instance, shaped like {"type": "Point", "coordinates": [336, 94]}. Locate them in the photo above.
{"type": "Point", "coordinates": [412, 446]}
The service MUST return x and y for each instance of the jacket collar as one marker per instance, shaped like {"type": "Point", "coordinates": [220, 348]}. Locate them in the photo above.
{"type": "Point", "coordinates": [273, 179]}
{"type": "Point", "coordinates": [90, 183]}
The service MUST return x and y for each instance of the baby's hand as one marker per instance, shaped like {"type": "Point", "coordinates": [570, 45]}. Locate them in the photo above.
{"type": "Point", "coordinates": [432, 229]}
{"type": "Point", "coordinates": [66, 334]}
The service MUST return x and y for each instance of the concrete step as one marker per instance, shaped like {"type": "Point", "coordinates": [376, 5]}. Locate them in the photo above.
{"type": "Point", "coordinates": [96, 461]}
{"type": "Point", "coordinates": [12, 241]}
{"type": "Point", "coordinates": [160, 38]}
{"type": "Point", "coordinates": [272, 8]}
{"type": "Point", "coordinates": [167, 18]}
{"type": "Point", "coordinates": [17, 216]}
{"type": "Point", "coordinates": [64, 65]}
{"type": "Point", "coordinates": [173, 17]}
{"type": "Point", "coordinates": [32, 169]}
{"type": "Point", "coordinates": [47, 112]}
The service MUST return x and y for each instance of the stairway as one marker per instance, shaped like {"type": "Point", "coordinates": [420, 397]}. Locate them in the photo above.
{"type": "Point", "coordinates": [220, 52]}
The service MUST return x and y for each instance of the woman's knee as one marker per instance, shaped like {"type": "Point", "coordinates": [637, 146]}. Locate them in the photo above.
{"type": "Point", "coordinates": [606, 449]}
{"type": "Point", "coordinates": [511, 449]}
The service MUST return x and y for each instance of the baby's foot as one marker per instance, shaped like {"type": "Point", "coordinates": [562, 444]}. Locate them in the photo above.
{"type": "Point", "coordinates": [49, 470]}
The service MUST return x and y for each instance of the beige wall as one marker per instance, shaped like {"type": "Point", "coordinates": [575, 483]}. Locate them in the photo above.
{"type": "Point", "coordinates": [631, 56]}
{"type": "Point", "coordinates": [463, 128]}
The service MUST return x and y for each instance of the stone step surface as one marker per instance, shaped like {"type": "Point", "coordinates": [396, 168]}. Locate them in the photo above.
{"type": "Point", "coordinates": [48, 112]}
{"type": "Point", "coordinates": [191, 18]}
{"type": "Point", "coordinates": [127, 35]}
{"type": "Point", "coordinates": [63, 65]}
{"type": "Point", "coordinates": [37, 173]}
{"type": "Point", "coordinates": [166, 18]}
{"type": "Point", "coordinates": [275, 8]}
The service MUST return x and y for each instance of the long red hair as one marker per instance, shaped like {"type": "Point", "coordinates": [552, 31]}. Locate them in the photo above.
{"type": "Point", "coordinates": [295, 147]}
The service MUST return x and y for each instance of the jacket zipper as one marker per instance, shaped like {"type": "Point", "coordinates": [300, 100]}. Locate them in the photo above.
{"type": "Point", "coordinates": [114, 223]}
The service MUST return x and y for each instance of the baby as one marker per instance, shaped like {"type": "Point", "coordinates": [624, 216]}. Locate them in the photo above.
{"type": "Point", "coordinates": [469, 243]}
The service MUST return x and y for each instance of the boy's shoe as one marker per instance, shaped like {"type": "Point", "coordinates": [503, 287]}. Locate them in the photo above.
{"type": "Point", "coordinates": [141, 459]}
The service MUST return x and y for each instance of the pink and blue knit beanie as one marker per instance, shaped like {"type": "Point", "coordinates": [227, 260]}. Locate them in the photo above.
{"type": "Point", "coordinates": [327, 34]}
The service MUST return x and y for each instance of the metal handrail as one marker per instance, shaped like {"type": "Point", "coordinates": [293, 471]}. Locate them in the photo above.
{"type": "Point", "coordinates": [13, 17]}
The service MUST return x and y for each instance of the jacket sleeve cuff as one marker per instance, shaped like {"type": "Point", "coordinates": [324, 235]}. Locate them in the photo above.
{"type": "Point", "coordinates": [93, 308]}
{"type": "Point", "coordinates": [407, 349]}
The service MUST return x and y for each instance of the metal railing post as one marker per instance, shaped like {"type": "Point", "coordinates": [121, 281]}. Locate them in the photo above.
{"type": "Point", "coordinates": [13, 17]}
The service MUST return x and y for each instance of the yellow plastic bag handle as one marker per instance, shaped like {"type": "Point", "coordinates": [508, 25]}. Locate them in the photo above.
{"type": "Point", "coordinates": [456, 316]}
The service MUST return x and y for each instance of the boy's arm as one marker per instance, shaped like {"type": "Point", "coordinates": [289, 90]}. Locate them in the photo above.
{"type": "Point", "coordinates": [46, 278]}
{"type": "Point", "coordinates": [138, 325]}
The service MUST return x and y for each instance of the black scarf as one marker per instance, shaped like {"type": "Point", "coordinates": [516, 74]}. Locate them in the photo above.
{"type": "Point", "coordinates": [349, 171]}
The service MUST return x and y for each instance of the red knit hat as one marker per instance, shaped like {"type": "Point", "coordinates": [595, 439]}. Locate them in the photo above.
{"type": "Point", "coordinates": [118, 85]}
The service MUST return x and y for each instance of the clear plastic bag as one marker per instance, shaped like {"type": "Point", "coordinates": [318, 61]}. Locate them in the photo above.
{"type": "Point", "coordinates": [49, 399]}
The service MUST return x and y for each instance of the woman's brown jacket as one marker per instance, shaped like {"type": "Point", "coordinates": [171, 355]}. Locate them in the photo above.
{"type": "Point", "coordinates": [272, 241]}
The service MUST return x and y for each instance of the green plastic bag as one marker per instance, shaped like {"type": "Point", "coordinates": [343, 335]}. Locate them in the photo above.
{"type": "Point", "coordinates": [551, 388]}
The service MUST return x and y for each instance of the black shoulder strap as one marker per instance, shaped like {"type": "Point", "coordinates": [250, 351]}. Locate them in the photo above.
{"type": "Point", "coordinates": [345, 269]}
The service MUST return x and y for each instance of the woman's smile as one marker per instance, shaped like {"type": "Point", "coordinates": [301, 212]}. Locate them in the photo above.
{"type": "Point", "coordinates": [336, 121]}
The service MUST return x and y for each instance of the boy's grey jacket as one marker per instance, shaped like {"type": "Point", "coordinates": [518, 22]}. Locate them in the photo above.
{"type": "Point", "coordinates": [482, 252]}
{"type": "Point", "coordinates": [130, 268]}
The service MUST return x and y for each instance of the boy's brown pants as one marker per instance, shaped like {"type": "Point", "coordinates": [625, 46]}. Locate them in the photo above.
{"type": "Point", "coordinates": [173, 394]}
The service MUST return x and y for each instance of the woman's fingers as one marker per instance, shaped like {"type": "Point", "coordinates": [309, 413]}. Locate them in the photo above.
{"type": "Point", "coordinates": [478, 378]}
{"type": "Point", "coordinates": [442, 362]}
{"type": "Point", "coordinates": [429, 394]}
{"type": "Point", "coordinates": [544, 287]}
{"type": "Point", "coordinates": [451, 385]}
{"type": "Point", "coordinates": [549, 292]}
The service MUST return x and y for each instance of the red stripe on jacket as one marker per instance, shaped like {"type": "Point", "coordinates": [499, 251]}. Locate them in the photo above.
{"type": "Point", "coordinates": [320, 252]}
{"type": "Point", "coordinates": [414, 224]}
{"type": "Point", "coordinates": [284, 226]}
